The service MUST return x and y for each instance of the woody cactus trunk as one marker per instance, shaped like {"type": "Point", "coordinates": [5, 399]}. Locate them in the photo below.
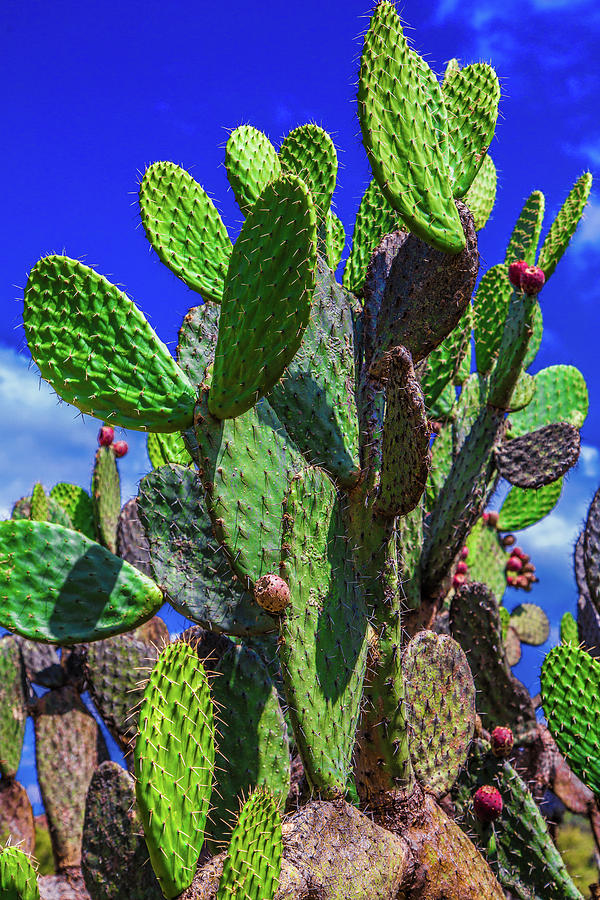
{"type": "Point", "coordinates": [323, 454]}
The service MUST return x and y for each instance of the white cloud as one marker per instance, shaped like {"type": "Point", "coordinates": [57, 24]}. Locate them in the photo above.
{"type": "Point", "coordinates": [554, 534]}
{"type": "Point", "coordinates": [33, 792]}
{"type": "Point", "coordinates": [49, 441]}
{"type": "Point", "coordinates": [589, 461]}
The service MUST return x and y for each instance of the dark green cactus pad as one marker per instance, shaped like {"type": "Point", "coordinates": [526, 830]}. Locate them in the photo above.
{"type": "Point", "coordinates": [168, 448]}
{"type": "Point", "coordinates": [13, 705]}
{"type": "Point", "coordinates": [405, 447]}
{"type": "Point", "coordinates": [245, 465]}
{"type": "Point", "coordinates": [441, 463]}
{"type": "Point", "coordinates": [77, 503]}
{"type": "Point", "coordinates": [309, 153]}
{"type": "Point", "coordinates": [375, 218]}
{"type": "Point", "coordinates": [132, 543]}
{"type": "Point", "coordinates": [335, 240]}
{"type": "Point", "coordinates": [56, 513]}
{"type": "Point", "coordinates": [174, 765]}
{"type": "Point", "coordinates": [98, 352]}
{"type": "Point", "coordinates": [525, 237]}
{"type": "Point", "coordinates": [315, 398]}
{"type": "Point", "coordinates": [267, 297]}
{"type": "Point", "coordinates": [188, 563]}
{"type": "Point", "coordinates": [523, 392]}
{"type": "Point", "coordinates": [512, 646]}
{"type": "Point", "coordinates": [560, 396]}
{"type": "Point", "coordinates": [564, 225]}
{"type": "Point", "coordinates": [501, 698]}
{"type": "Point", "coordinates": [253, 748]}
{"type": "Point", "coordinates": [114, 857]}
{"type": "Point", "coordinates": [588, 617]}
{"type": "Point", "coordinates": [16, 816]}
{"type": "Point", "coordinates": [251, 162]}
{"type": "Point", "coordinates": [525, 860]}
{"type": "Point", "coordinates": [570, 686]}
{"type": "Point", "coordinates": [58, 586]}
{"type": "Point", "coordinates": [106, 497]}
{"type": "Point", "coordinates": [252, 866]}
{"type": "Point", "coordinates": [322, 632]}
{"type": "Point", "coordinates": [471, 98]}
{"type": "Point", "coordinates": [531, 624]}
{"type": "Point", "coordinates": [446, 363]}
{"type": "Point", "coordinates": [589, 579]}
{"type": "Point", "coordinates": [568, 630]}
{"type": "Point", "coordinates": [405, 132]}
{"type": "Point", "coordinates": [472, 398]}
{"type": "Point", "coordinates": [481, 196]}
{"type": "Point", "coordinates": [197, 341]}
{"type": "Point", "coordinates": [409, 543]}
{"type": "Point", "coordinates": [67, 753]}
{"type": "Point", "coordinates": [487, 558]}
{"type": "Point", "coordinates": [490, 308]}
{"type": "Point", "coordinates": [536, 338]}
{"type": "Point", "coordinates": [539, 458]}
{"type": "Point", "coordinates": [117, 670]}
{"type": "Point", "coordinates": [184, 228]}
{"type": "Point", "coordinates": [39, 504]}
{"type": "Point", "coordinates": [524, 507]}
{"type": "Point", "coordinates": [440, 709]}
{"type": "Point", "coordinates": [18, 880]}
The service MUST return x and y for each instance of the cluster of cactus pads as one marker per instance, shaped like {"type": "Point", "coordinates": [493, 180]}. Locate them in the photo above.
{"type": "Point", "coordinates": [322, 457]}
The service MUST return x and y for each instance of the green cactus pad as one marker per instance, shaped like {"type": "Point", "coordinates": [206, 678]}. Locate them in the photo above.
{"type": "Point", "coordinates": [197, 341]}
{"type": "Point", "coordinates": [531, 624]}
{"type": "Point", "coordinates": [471, 98]}
{"type": "Point", "coordinates": [560, 396]}
{"type": "Point", "coordinates": [106, 497]}
{"type": "Point", "coordinates": [253, 744]}
{"type": "Point", "coordinates": [539, 458]}
{"type": "Point", "coordinates": [67, 750]}
{"type": "Point", "coordinates": [77, 503]}
{"type": "Point", "coordinates": [564, 225]}
{"type": "Point", "coordinates": [56, 513]}
{"type": "Point", "coordinates": [505, 620]}
{"type": "Point", "coordinates": [116, 671]}
{"type": "Point", "coordinates": [322, 632]}
{"type": "Point", "coordinates": [184, 228]}
{"type": "Point", "coordinates": [251, 162]}
{"type": "Point", "coordinates": [114, 858]}
{"type": "Point", "coordinates": [39, 504]}
{"type": "Point", "coordinates": [524, 507]}
{"type": "Point", "coordinates": [267, 297]}
{"type": "Point", "coordinates": [252, 866]}
{"type": "Point", "coordinates": [521, 851]}
{"type": "Point", "coordinates": [523, 392]}
{"type": "Point", "coordinates": [570, 682]}
{"type": "Point", "coordinates": [309, 153]}
{"type": "Point", "coordinates": [13, 706]}
{"type": "Point", "coordinates": [445, 363]}
{"type": "Point", "coordinates": [98, 352]}
{"type": "Point", "coordinates": [405, 446]}
{"type": "Point", "coordinates": [167, 448]}
{"type": "Point", "coordinates": [188, 563]}
{"type": "Point", "coordinates": [481, 196]}
{"type": "Point", "coordinates": [18, 880]}
{"type": "Point", "coordinates": [441, 463]}
{"type": "Point", "coordinates": [405, 132]}
{"type": "Point", "coordinates": [375, 218]}
{"type": "Point", "coordinates": [490, 308]}
{"type": "Point", "coordinates": [568, 630]}
{"type": "Point", "coordinates": [132, 543]}
{"type": "Point", "coordinates": [440, 701]}
{"type": "Point", "coordinates": [315, 398]}
{"type": "Point", "coordinates": [245, 464]}
{"type": "Point", "coordinates": [58, 586]}
{"type": "Point", "coordinates": [524, 239]}
{"type": "Point", "coordinates": [501, 698]}
{"type": "Point", "coordinates": [409, 542]}
{"type": "Point", "coordinates": [174, 764]}
{"type": "Point", "coordinates": [335, 240]}
{"type": "Point", "coordinates": [536, 338]}
{"type": "Point", "coordinates": [487, 558]}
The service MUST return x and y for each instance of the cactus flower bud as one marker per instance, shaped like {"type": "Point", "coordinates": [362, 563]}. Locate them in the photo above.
{"type": "Point", "coordinates": [272, 593]}
{"type": "Point", "coordinates": [487, 803]}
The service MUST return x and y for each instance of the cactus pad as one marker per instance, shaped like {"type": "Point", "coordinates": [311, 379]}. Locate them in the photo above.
{"type": "Point", "coordinates": [526, 233]}
{"type": "Point", "coordinates": [487, 559]}
{"type": "Point", "coordinates": [98, 352]}
{"type": "Point", "coordinates": [77, 503]}
{"type": "Point", "coordinates": [560, 396]}
{"type": "Point", "coordinates": [568, 630]}
{"type": "Point", "coordinates": [309, 153]}
{"type": "Point", "coordinates": [539, 458]}
{"type": "Point", "coordinates": [524, 507]}
{"type": "Point", "coordinates": [564, 225]}
{"type": "Point", "coordinates": [18, 880]}
{"type": "Point", "coordinates": [481, 196]}
{"type": "Point", "coordinates": [531, 624]}
{"type": "Point", "coordinates": [251, 162]}
{"type": "Point", "coordinates": [61, 587]}
{"type": "Point", "coordinates": [184, 228]}
{"type": "Point", "coordinates": [13, 706]}
{"type": "Point", "coordinates": [16, 816]}
{"type": "Point", "coordinates": [106, 497]}
{"type": "Point", "coordinates": [253, 863]}
{"type": "Point", "coordinates": [375, 218]}
{"type": "Point", "coordinates": [490, 309]}
{"type": "Point", "coordinates": [197, 341]}
{"type": "Point", "coordinates": [132, 543]}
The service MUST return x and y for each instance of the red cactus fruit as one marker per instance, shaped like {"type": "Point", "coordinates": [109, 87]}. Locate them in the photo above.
{"type": "Point", "coordinates": [120, 448]}
{"type": "Point", "coordinates": [515, 271]}
{"type": "Point", "coordinates": [492, 519]}
{"type": "Point", "coordinates": [523, 581]}
{"type": "Point", "coordinates": [502, 740]}
{"type": "Point", "coordinates": [511, 579]}
{"type": "Point", "coordinates": [485, 516]}
{"type": "Point", "coordinates": [272, 593]}
{"type": "Point", "coordinates": [464, 552]}
{"type": "Point", "coordinates": [462, 568]}
{"type": "Point", "coordinates": [487, 803]}
{"type": "Point", "coordinates": [519, 552]}
{"type": "Point", "coordinates": [532, 280]}
{"type": "Point", "coordinates": [458, 580]}
{"type": "Point", "coordinates": [514, 564]}
{"type": "Point", "coordinates": [106, 435]}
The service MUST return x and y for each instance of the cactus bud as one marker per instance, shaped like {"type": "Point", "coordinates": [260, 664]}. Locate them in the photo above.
{"type": "Point", "coordinates": [532, 280]}
{"type": "Point", "coordinates": [515, 272]}
{"type": "Point", "coordinates": [508, 540]}
{"type": "Point", "coordinates": [492, 519]}
{"type": "Point", "coordinates": [514, 564]}
{"type": "Point", "coordinates": [458, 580]}
{"type": "Point", "coordinates": [502, 741]}
{"type": "Point", "coordinates": [487, 803]}
{"type": "Point", "coordinates": [464, 552]}
{"type": "Point", "coordinates": [462, 568]}
{"type": "Point", "coordinates": [272, 593]}
{"type": "Point", "coordinates": [120, 448]}
{"type": "Point", "coordinates": [106, 435]}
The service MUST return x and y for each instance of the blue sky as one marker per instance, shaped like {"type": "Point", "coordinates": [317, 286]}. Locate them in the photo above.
{"type": "Point", "coordinates": [97, 91]}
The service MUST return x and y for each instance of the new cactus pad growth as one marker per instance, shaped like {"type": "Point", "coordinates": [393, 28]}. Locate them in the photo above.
{"type": "Point", "coordinates": [323, 456]}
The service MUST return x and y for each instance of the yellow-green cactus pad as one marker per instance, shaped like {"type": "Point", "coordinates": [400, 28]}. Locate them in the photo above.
{"type": "Point", "coordinates": [525, 506]}
{"type": "Point", "coordinates": [564, 225]}
{"type": "Point", "coordinates": [524, 239]}
{"type": "Point", "coordinates": [252, 866]}
{"type": "Point", "coordinates": [560, 396]}
{"type": "Point", "coordinates": [18, 880]}
{"type": "Point", "coordinates": [251, 162]}
{"type": "Point", "coordinates": [309, 153]}
{"type": "Point", "coordinates": [481, 196]}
